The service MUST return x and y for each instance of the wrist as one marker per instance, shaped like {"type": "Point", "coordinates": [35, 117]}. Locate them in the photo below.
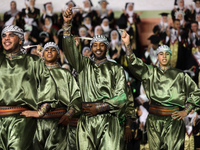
{"type": "Point", "coordinates": [67, 22]}
{"type": "Point", "coordinates": [188, 108]}
{"type": "Point", "coordinates": [70, 113]}
{"type": "Point", "coordinates": [128, 49]}
{"type": "Point", "coordinates": [67, 30]}
{"type": "Point", "coordinates": [127, 44]}
{"type": "Point", "coordinates": [101, 107]}
{"type": "Point", "coordinates": [43, 109]}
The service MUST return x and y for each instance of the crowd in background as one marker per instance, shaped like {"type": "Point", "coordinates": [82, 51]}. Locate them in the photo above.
{"type": "Point", "coordinates": [182, 36]}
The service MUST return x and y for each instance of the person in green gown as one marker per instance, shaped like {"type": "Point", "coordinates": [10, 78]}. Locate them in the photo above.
{"type": "Point", "coordinates": [52, 131]}
{"type": "Point", "coordinates": [172, 94]}
{"type": "Point", "coordinates": [103, 89]}
{"type": "Point", "coordinates": [25, 84]}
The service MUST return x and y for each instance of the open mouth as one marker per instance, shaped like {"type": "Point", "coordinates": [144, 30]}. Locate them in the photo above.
{"type": "Point", "coordinates": [98, 52]}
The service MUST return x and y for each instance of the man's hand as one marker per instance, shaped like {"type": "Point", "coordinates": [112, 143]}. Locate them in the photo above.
{"type": "Point", "coordinates": [68, 15]}
{"type": "Point", "coordinates": [30, 113]}
{"type": "Point", "coordinates": [179, 114]}
{"type": "Point", "coordinates": [64, 120]}
{"type": "Point", "coordinates": [125, 38]}
{"type": "Point", "coordinates": [128, 135]}
{"type": "Point", "coordinates": [90, 110]}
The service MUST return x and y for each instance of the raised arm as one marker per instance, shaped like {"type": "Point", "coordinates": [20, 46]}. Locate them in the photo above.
{"type": "Point", "coordinates": [137, 67]}
{"type": "Point", "coordinates": [69, 47]}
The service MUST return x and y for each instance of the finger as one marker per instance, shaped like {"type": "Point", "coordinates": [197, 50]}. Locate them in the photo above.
{"type": "Point", "coordinates": [180, 118]}
{"type": "Point", "coordinates": [176, 117]}
{"type": "Point", "coordinates": [174, 113]}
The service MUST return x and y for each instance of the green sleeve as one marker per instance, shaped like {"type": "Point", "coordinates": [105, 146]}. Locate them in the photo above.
{"type": "Point", "coordinates": [77, 60]}
{"type": "Point", "coordinates": [138, 68]}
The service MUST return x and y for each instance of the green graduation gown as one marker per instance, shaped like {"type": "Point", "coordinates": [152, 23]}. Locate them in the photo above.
{"type": "Point", "coordinates": [24, 81]}
{"type": "Point", "coordinates": [50, 135]}
{"type": "Point", "coordinates": [98, 83]}
{"type": "Point", "coordinates": [165, 88]}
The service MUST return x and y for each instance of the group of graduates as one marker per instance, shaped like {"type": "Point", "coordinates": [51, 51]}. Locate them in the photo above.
{"type": "Point", "coordinates": [43, 106]}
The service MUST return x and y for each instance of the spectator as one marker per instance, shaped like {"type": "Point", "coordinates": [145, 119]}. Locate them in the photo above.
{"type": "Point", "coordinates": [48, 12]}
{"type": "Point", "coordinates": [31, 12]}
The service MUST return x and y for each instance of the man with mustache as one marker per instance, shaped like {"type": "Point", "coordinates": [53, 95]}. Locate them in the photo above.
{"type": "Point", "coordinates": [167, 89]}
{"type": "Point", "coordinates": [103, 88]}
{"type": "Point", "coordinates": [25, 84]}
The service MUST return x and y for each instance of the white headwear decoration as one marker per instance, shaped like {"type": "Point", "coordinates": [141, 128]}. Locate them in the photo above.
{"type": "Point", "coordinates": [15, 29]}
{"type": "Point", "coordinates": [163, 48]}
{"type": "Point", "coordinates": [99, 38]}
{"type": "Point", "coordinates": [51, 44]}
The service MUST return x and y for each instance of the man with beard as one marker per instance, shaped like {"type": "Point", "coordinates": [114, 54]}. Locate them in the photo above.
{"type": "Point", "coordinates": [68, 103]}
{"type": "Point", "coordinates": [169, 90]}
{"type": "Point", "coordinates": [25, 84]}
{"type": "Point", "coordinates": [103, 87]}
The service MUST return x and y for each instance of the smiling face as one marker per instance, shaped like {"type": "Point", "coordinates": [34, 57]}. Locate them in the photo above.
{"type": "Point", "coordinates": [99, 50]}
{"type": "Point", "coordinates": [11, 42]}
{"type": "Point", "coordinates": [50, 55]}
{"type": "Point", "coordinates": [164, 58]}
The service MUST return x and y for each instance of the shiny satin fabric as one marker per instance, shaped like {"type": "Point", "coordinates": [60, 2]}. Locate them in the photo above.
{"type": "Point", "coordinates": [16, 132]}
{"type": "Point", "coordinates": [103, 83]}
{"type": "Point", "coordinates": [167, 88]}
{"type": "Point", "coordinates": [68, 92]}
{"type": "Point", "coordinates": [24, 80]}
{"type": "Point", "coordinates": [50, 135]}
{"type": "Point", "coordinates": [71, 143]}
{"type": "Point", "coordinates": [164, 132]}
{"type": "Point", "coordinates": [100, 132]}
